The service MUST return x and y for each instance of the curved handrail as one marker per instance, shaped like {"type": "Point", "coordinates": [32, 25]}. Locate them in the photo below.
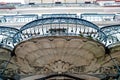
{"type": "Point", "coordinates": [53, 20]}
{"type": "Point", "coordinates": [113, 34]}
{"type": "Point", "coordinates": [59, 26]}
{"type": "Point", "coordinates": [6, 36]}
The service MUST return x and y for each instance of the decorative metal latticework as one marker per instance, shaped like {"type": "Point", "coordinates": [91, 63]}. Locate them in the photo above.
{"type": "Point", "coordinates": [113, 35]}
{"type": "Point", "coordinates": [59, 26]}
{"type": "Point", "coordinates": [6, 36]}
{"type": "Point", "coordinates": [6, 47]}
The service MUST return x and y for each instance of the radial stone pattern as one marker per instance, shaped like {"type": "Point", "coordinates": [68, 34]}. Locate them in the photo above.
{"type": "Point", "coordinates": [5, 58]}
{"type": "Point", "coordinates": [58, 55]}
{"type": "Point", "coordinates": [59, 45]}
{"type": "Point", "coordinates": [61, 49]}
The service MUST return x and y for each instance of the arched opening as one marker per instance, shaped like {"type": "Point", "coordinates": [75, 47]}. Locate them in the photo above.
{"type": "Point", "coordinates": [59, 77]}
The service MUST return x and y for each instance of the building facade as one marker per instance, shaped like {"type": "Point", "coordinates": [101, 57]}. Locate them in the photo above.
{"type": "Point", "coordinates": [63, 42]}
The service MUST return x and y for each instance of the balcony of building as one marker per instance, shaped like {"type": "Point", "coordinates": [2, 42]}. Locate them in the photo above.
{"type": "Point", "coordinates": [60, 48]}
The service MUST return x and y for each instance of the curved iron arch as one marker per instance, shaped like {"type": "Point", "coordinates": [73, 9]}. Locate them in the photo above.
{"type": "Point", "coordinates": [8, 27]}
{"type": "Point", "coordinates": [6, 34]}
{"type": "Point", "coordinates": [112, 29]}
{"type": "Point", "coordinates": [112, 32]}
{"type": "Point", "coordinates": [75, 26]}
{"type": "Point", "coordinates": [61, 20]}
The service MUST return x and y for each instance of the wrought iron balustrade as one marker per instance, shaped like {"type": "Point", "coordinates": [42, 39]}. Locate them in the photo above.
{"type": "Point", "coordinates": [113, 35]}
{"type": "Point", "coordinates": [6, 36]}
{"type": "Point", "coordinates": [59, 26]}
